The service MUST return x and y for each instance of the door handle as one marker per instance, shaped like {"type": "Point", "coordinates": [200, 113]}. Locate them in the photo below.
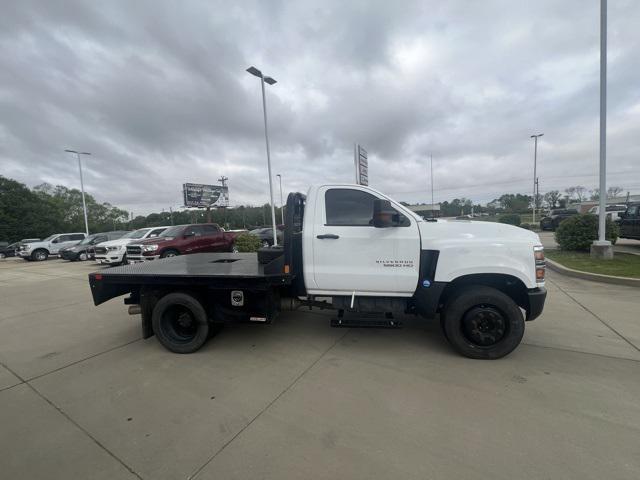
{"type": "Point", "coordinates": [329, 236]}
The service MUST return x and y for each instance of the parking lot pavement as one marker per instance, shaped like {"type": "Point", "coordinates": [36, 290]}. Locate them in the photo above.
{"type": "Point", "coordinates": [82, 396]}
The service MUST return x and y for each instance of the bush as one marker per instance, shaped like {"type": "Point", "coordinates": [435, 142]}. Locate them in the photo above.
{"type": "Point", "coordinates": [579, 232]}
{"type": "Point", "coordinates": [246, 243]}
{"type": "Point", "coordinates": [510, 218]}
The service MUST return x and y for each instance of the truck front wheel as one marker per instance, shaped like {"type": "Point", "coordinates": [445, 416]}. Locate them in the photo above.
{"type": "Point", "coordinates": [40, 255]}
{"type": "Point", "coordinates": [482, 322]}
{"type": "Point", "coordinates": [180, 323]}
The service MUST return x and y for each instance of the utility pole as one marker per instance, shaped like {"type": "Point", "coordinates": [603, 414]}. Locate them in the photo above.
{"type": "Point", "coordinates": [535, 173]}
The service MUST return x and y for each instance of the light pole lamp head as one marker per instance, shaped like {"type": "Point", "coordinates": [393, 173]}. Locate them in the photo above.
{"type": "Point", "coordinates": [269, 80]}
{"type": "Point", "coordinates": [71, 151]}
{"type": "Point", "coordinates": [539, 135]}
{"type": "Point", "coordinates": [254, 71]}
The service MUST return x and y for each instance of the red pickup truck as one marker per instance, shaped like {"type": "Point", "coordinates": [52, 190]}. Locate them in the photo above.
{"type": "Point", "coordinates": [182, 240]}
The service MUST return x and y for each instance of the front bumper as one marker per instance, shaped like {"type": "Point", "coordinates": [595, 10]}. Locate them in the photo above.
{"type": "Point", "coordinates": [141, 258]}
{"type": "Point", "coordinates": [109, 257]}
{"type": "Point", "coordinates": [24, 253]}
{"type": "Point", "coordinates": [537, 296]}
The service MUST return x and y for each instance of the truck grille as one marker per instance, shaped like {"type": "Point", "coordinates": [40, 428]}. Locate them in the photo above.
{"type": "Point", "coordinates": [134, 250]}
{"type": "Point", "coordinates": [100, 250]}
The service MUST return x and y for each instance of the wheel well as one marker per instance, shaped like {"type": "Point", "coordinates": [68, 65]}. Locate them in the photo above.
{"type": "Point", "coordinates": [508, 284]}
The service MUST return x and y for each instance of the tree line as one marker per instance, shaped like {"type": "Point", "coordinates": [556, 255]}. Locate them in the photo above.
{"type": "Point", "coordinates": [47, 209]}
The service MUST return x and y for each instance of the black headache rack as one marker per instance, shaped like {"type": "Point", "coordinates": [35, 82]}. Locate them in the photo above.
{"type": "Point", "coordinates": [214, 270]}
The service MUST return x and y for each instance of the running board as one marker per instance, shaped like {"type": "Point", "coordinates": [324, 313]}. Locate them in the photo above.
{"type": "Point", "coordinates": [365, 320]}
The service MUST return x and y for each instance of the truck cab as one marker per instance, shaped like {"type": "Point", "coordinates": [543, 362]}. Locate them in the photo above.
{"type": "Point", "coordinates": [352, 249]}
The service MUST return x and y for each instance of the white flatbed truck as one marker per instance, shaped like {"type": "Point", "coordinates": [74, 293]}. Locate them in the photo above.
{"type": "Point", "coordinates": [355, 250]}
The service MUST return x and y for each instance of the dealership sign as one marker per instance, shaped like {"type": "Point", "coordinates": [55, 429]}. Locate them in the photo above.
{"type": "Point", "coordinates": [199, 195]}
{"type": "Point", "coordinates": [362, 165]}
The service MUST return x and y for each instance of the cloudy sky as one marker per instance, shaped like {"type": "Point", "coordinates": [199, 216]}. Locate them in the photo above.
{"type": "Point", "coordinates": [157, 91]}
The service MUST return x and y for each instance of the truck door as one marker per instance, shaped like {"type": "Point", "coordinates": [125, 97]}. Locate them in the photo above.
{"type": "Point", "coordinates": [350, 254]}
{"type": "Point", "coordinates": [213, 239]}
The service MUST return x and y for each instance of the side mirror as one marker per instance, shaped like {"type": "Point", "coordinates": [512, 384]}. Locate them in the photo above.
{"type": "Point", "coordinates": [383, 213]}
{"type": "Point", "coordinates": [189, 234]}
{"type": "Point", "coordinates": [55, 240]}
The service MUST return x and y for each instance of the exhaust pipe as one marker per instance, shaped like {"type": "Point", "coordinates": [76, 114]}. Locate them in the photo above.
{"type": "Point", "coordinates": [135, 310]}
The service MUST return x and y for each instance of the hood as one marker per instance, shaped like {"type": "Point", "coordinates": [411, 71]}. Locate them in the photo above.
{"type": "Point", "coordinates": [154, 241]}
{"type": "Point", "coordinates": [471, 231]}
{"type": "Point", "coordinates": [118, 242]}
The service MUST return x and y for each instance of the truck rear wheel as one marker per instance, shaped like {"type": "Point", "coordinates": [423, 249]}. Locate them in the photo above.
{"type": "Point", "coordinates": [482, 322]}
{"type": "Point", "coordinates": [180, 323]}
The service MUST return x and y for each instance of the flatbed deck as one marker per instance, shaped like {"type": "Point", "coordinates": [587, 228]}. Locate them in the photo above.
{"type": "Point", "coordinates": [214, 270]}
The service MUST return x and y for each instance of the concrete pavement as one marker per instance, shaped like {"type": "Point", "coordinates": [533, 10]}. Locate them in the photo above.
{"type": "Point", "coordinates": [83, 396]}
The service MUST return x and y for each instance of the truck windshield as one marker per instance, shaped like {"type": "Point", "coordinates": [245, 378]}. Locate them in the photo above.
{"type": "Point", "coordinates": [87, 240]}
{"type": "Point", "coordinates": [49, 238]}
{"type": "Point", "coordinates": [137, 233]}
{"type": "Point", "coordinates": [172, 232]}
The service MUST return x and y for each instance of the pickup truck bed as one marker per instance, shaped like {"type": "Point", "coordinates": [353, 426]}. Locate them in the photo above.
{"type": "Point", "coordinates": [222, 270]}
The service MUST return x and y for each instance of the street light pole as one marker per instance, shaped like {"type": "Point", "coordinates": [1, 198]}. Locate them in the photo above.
{"type": "Point", "coordinates": [254, 71]}
{"type": "Point", "coordinates": [603, 125]}
{"type": "Point", "coordinates": [84, 205]}
{"type": "Point", "coordinates": [281, 204]}
{"type": "Point", "coordinates": [535, 174]}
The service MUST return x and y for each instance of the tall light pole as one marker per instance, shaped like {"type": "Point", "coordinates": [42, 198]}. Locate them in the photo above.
{"type": "Point", "coordinates": [84, 205]}
{"type": "Point", "coordinates": [535, 173]}
{"type": "Point", "coordinates": [432, 211]}
{"type": "Point", "coordinates": [602, 240]}
{"type": "Point", "coordinates": [270, 81]}
{"type": "Point", "coordinates": [281, 204]}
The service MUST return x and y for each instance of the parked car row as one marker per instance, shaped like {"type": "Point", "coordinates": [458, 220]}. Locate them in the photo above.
{"type": "Point", "coordinates": [626, 216]}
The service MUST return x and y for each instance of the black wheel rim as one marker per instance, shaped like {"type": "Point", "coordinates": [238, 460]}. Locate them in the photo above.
{"type": "Point", "coordinates": [170, 254]}
{"type": "Point", "coordinates": [484, 326]}
{"type": "Point", "coordinates": [179, 324]}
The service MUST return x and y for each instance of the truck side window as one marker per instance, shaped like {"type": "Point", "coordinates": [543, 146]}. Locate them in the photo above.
{"type": "Point", "coordinates": [348, 207]}
{"type": "Point", "coordinates": [210, 229]}
{"type": "Point", "coordinates": [77, 236]}
{"type": "Point", "coordinates": [195, 230]}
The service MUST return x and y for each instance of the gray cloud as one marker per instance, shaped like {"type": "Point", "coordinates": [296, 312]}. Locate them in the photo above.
{"type": "Point", "coordinates": [158, 93]}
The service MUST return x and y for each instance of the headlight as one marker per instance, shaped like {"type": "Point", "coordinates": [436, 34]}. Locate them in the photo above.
{"type": "Point", "coordinates": [149, 248]}
{"type": "Point", "coordinates": [113, 249]}
{"type": "Point", "coordinates": [25, 247]}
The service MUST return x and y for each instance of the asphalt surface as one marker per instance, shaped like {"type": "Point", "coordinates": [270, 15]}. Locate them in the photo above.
{"type": "Point", "coordinates": [83, 396]}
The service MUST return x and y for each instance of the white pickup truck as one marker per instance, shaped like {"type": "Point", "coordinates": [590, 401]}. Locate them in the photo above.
{"type": "Point", "coordinates": [352, 249]}
{"type": "Point", "coordinates": [39, 251]}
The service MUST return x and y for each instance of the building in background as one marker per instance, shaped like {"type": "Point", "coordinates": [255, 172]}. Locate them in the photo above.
{"type": "Point", "coordinates": [427, 210]}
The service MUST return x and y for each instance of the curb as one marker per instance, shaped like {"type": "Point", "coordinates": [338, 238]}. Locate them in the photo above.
{"type": "Point", "coordinates": [594, 277]}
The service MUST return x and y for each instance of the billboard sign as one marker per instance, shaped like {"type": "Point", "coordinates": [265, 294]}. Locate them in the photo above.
{"type": "Point", "coordinates": [362, 166]}
{"type": "Point", "coordinates": [199, 195]}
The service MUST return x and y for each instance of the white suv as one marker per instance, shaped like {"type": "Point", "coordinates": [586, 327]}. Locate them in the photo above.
{"type": "Point", "coordinates": [41, 250]}
{"type": "Point", "coordinates": [114, 252]}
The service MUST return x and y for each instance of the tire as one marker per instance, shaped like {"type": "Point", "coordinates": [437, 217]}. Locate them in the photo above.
{"type": "Point", "coordinates": [2, 256]}
{"type": "Point", "coordinates": [124, 260]}
{"type": "Point", "coordinates": [234, 249]}
{"type": "Point", "coordinates": [40, 255]}
{"type": "Point", "coordinates": [169, 253]}
{"type": "Point", "coordinates": [482, 322]}
{"type": "Point", "coordinates": [180, 323]}
{"type": "Point", "coordinates": [265, 244]}
{"type": "Point", "coordinates": [83, 256]}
